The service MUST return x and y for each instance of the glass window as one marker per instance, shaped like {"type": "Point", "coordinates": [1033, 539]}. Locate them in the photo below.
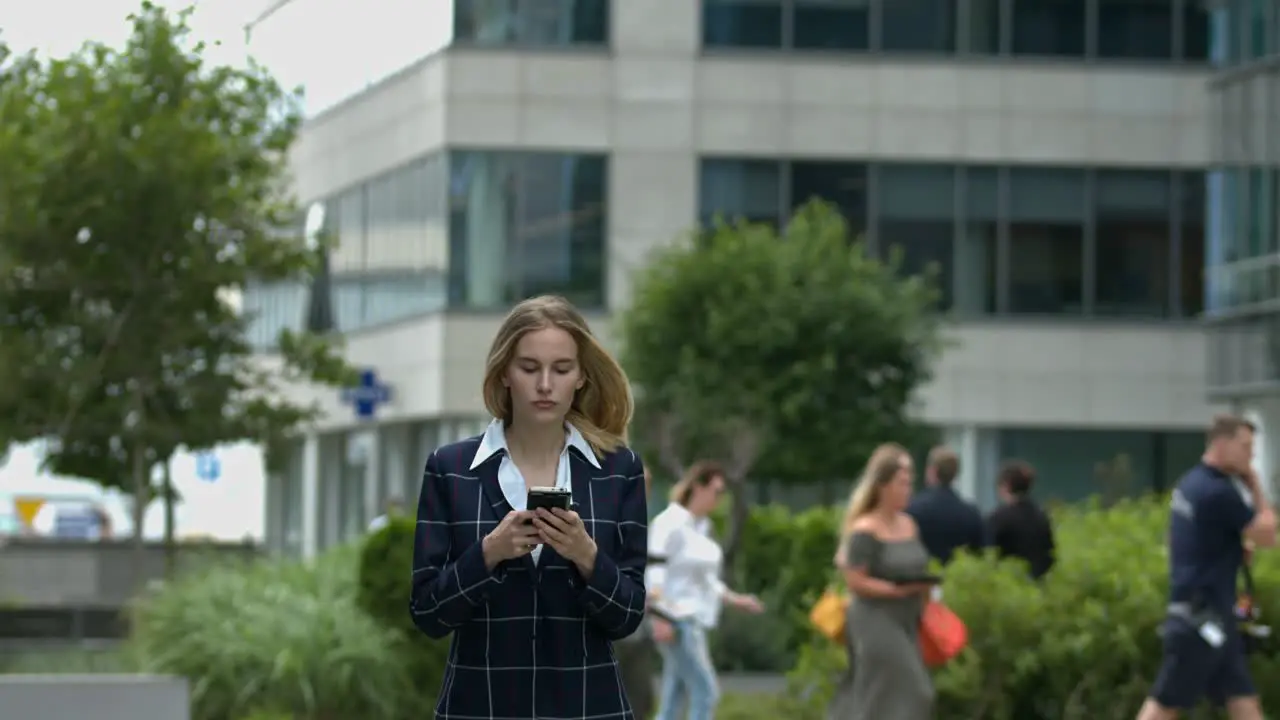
{"type": "Point", "coordinates": [917, 216]}
{"type": "Point", "coordinates": [919, 25]}
{"type": "Point", "coordinates": [531, 22]}
{"type": "Point", "coordinates": [974, 291]}
{"type": "Point", "coordinates": [523, 224]}
{"type": "Point", "coordinates": [742, 23]}
{"type": "Point", "coordinates": [1049, 27]}
{"type": "Point", "coordinates": [1196, 30]}
{"type": "Point", "coordinates": [748, 190]}
{"type": "Point", "coordinates": [1072, 465]}
{"type": "Point", "coordinates": [842, 184]}
{"type": "Point", "coordinates": [348, 231]}
{"type": "Point", "coordinates": [832, 24]}
{"type": "Point", "coordinates": [1046, 241]}
{"type": "Point", "coordinates": [1134, 227]}
{"type": "Point", "coordinates": [1261, 213]}
{"type": "Point", "coordinates": [273, 308]}
{"type": "Point", "coordinates": [1135, 29]}
{"type": "Point", "coordinates": [1255, 30]}
{"type": "Point", "coordinates": [984, 27]}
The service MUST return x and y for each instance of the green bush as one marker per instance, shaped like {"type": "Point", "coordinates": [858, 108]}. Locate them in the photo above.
{"type": "Point", "coordinates": [386, 574]}
{"type": "Point", "coordinates": [785, 558]}
{"type": "Point", "coordinates": [1083, 646]}
{"type": "Point", "coordinates": [276, 638]}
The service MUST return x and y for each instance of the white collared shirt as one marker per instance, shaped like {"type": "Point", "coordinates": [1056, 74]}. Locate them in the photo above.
{"type": "Point", "coordinates": [688, 581]}
{"type": "Point", "coordinates": [512, 482]}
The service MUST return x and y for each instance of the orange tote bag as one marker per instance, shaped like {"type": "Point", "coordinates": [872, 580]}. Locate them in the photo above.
{"type": "Point", "coordinates": [942, 634]}
{"type": "Point", "coordinates": [828, 614]}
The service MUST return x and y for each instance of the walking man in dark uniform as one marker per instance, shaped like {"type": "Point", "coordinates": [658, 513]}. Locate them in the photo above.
{"type": "Point", "coordinates": [1217, 507]}
{"type": "Point", "coordinates": [947, 521]}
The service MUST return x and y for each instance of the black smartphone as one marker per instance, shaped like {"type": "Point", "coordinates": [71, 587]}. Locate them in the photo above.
{"type": "Point", "coordinates": [920, 579]}
{"type": "Point", "coordinates": [549, 498]}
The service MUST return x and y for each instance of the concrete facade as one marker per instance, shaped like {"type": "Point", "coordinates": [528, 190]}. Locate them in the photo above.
{"type": "Point", "coordinates": [656, 102]}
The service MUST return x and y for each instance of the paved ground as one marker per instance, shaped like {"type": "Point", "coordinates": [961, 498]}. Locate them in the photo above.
{"type": "Point", "coordinates": [762, 683]}
{"type": "Point", "coordinates": [747, 683]}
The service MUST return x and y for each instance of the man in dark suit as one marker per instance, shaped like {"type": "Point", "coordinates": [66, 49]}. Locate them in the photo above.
{"type": "Point", "coordinates": [947, 521]}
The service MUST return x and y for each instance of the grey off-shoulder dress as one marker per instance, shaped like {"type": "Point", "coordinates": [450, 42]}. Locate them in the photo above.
{"type": "Point", "coordinates": [887, 679]}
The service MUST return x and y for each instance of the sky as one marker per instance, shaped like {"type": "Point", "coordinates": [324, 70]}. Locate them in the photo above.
{"type": "Point", "coordinates": [59, 27]}
{"type": "Point", "coordinates": [232, 507]}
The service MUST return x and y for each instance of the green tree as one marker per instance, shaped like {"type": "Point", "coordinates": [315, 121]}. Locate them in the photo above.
{"type": "Point", "coordinates": [788, 355]}
{"type": "Point", "coordinates": [143, 188]}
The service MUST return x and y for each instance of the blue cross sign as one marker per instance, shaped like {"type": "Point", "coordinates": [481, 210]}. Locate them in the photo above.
{"type": "Point", "coordinates": [367, 396]}
{"type": "Point", "coordinates": [208, 467]}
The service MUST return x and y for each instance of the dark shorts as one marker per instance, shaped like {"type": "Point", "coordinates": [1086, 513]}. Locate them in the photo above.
{"type": "Point", "coordinates": [1192, 671]}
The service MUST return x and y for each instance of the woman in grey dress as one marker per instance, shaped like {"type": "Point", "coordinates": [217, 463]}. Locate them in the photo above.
{"type": "Point", "coordinates": [880, 548]}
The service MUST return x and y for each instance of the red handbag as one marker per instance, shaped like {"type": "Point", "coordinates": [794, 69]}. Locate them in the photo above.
{"type": "Point", "coordinates": [942, 634]}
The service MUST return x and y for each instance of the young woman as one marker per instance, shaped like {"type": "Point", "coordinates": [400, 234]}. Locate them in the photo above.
{"type": "Point", "coordinates": [686, 592]}
{"type": "Point", "coordinates": [881, 553]}
{"type": "Point", "coordinates": [535, 598]}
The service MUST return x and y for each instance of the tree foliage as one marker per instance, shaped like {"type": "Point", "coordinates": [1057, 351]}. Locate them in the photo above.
{"type": "Point", "coordinates": [143, 188]}
{"type": "Point", "coordinates": [797, 344]}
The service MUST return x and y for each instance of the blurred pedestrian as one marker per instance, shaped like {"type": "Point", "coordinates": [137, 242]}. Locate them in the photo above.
{"type": "Point", "coordinates": [947, 521]}
{"type": "Point", "coordinates": [1219, 516]}
{"type": "Point", "coordinates": [686, 592]}
{"type": "Point", "coordinates": [1020, 528]}
{"type": "Point", "coordinates": [394, 508]}
{"type": "Point", "coordinates": [884, 565]}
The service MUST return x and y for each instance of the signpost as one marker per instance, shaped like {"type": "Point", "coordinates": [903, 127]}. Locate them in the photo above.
{"type": "Point", "coordinates": [366, 396]}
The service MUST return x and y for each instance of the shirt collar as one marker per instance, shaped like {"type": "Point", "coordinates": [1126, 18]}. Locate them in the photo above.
{"type": "Point", "coordinates": [494, 441]}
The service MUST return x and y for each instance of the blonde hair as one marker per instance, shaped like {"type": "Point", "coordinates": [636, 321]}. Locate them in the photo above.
{"type": "Point", "coordinates": [602, 409]}
{"type": "Point", "coordinates": [879, 470]}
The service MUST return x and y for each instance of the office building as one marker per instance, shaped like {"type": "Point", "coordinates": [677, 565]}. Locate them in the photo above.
{"type": "Point", "coordinates": [1050, 156]}
{"type": "Point", "coordinates": [1242, 313]}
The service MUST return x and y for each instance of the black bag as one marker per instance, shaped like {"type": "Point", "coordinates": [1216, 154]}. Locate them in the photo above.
{"type": "Point", "coordinates": [1253, 631]}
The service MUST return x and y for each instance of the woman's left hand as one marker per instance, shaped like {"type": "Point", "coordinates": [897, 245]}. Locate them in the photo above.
{"type": "Point", "coordinates": [565, 532]}
{"type": "Point", "coordinates": [747, 603]}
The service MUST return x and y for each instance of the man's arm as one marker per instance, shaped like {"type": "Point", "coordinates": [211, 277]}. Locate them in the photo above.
{"type": "Point", "coordinates": [1226, 509]}
{"type": "Point", "coordinates": [1261, 528]}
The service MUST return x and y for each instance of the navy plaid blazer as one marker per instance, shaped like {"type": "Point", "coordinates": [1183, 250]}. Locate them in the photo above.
{"type": "Point", "coordinates": [529, 641]}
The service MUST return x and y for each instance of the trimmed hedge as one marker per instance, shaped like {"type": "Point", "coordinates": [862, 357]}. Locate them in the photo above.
{"type": "Point", "coordinates": [385, 585]}
{"type": "Point", "coordinates": [1081, 647]}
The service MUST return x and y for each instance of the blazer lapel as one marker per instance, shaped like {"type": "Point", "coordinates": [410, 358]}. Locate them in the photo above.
{"type": "Point", "coordinates": [580, 482]}
{"type": "Point", "coordinates": [488, 474]}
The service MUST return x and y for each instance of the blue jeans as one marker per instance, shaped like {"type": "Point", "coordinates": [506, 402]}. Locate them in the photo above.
{"type": "Point", "coordinates": [687, 675]}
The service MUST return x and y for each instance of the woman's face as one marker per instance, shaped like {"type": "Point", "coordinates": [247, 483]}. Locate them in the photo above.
{"type": "Point", "coordinates": [704, 498]}
{"type": "Point", "coordinates": [543, 376]}
{"type": "Point", "coordinates": [897, 492]}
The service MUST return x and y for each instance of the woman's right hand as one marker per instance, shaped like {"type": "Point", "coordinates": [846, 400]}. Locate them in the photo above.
{"type": "Point", "coordinates": [514, 537]}
{"type": "Point", "coordinates": [663, 631]}
{"type": "Point", "coordinates": [906, 590]}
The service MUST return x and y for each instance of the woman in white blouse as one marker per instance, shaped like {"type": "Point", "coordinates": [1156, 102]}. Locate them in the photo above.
{"type": "Point", "coordinates": [686, 592]}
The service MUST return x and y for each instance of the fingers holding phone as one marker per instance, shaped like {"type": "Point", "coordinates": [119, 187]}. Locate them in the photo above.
{"type": "Point", "coordinates": [514, 537]}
